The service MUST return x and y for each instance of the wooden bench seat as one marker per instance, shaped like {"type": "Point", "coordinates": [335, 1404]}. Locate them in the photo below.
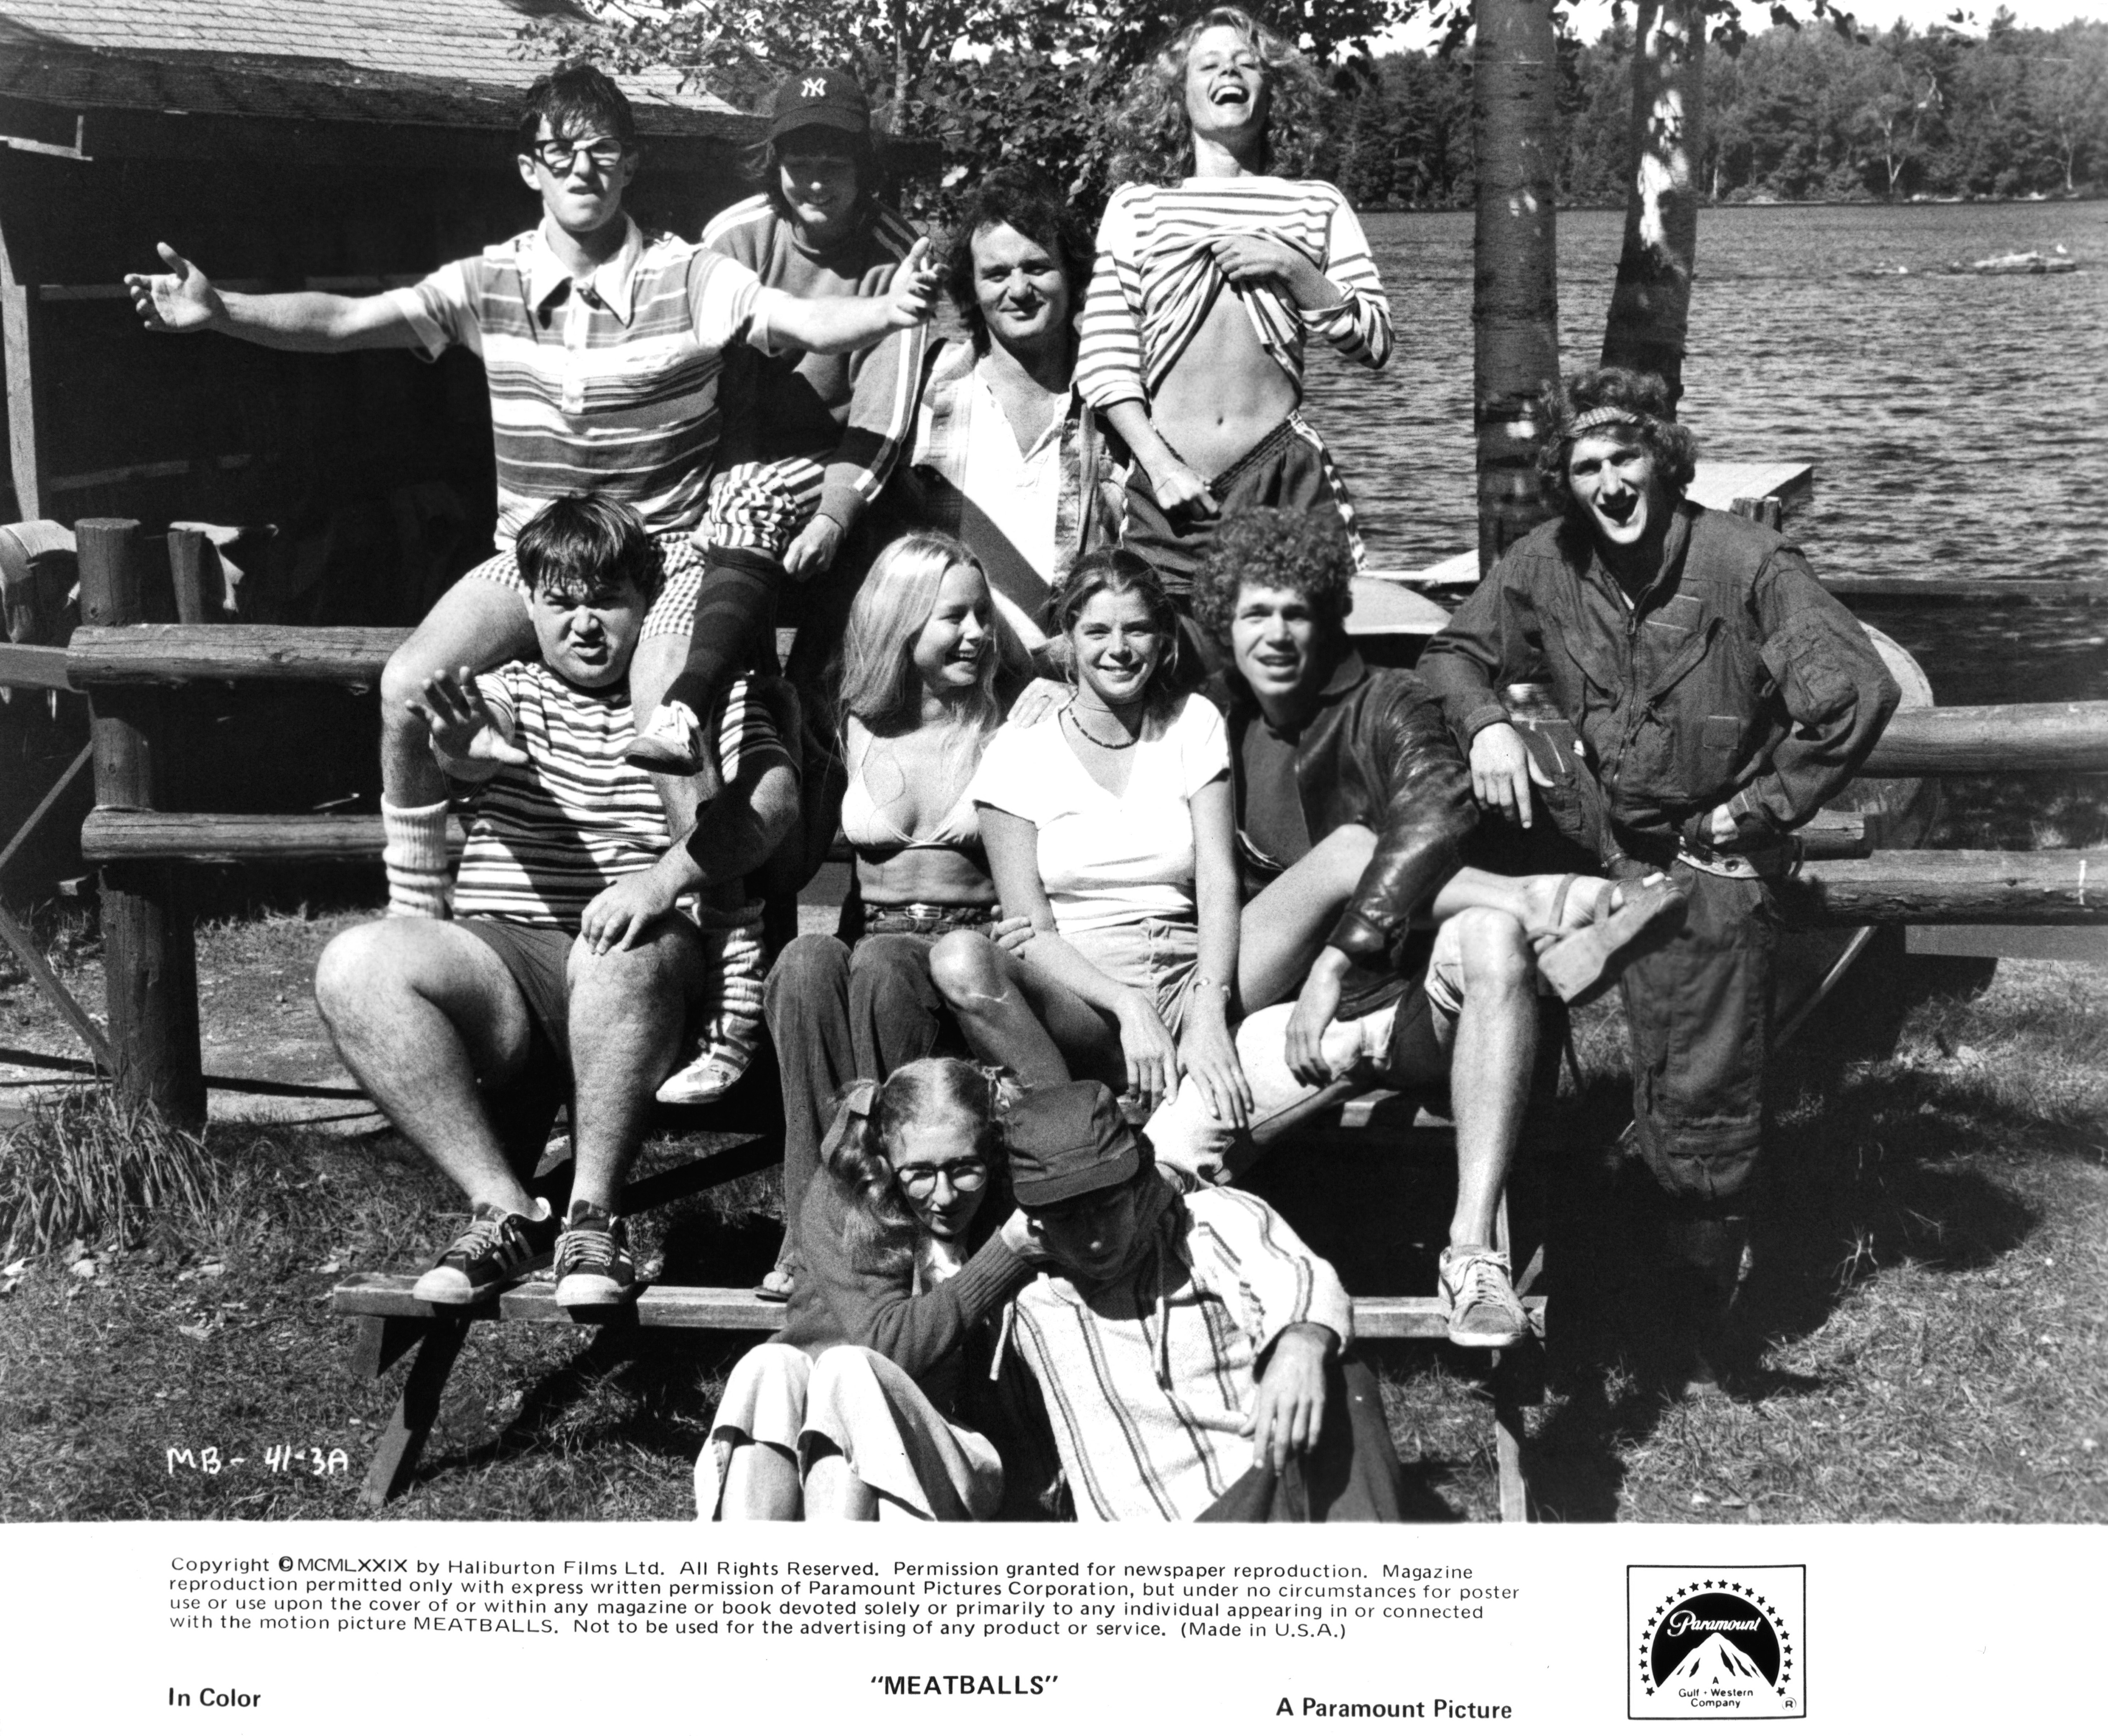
{"type": "Point", "coordinates": [1366, 1123]}
{"type": "Point", "coordinates": [386, 1296]}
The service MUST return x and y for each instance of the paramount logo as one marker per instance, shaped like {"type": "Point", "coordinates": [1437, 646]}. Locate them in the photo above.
{"type": "Point", "coordinates": [1716, 1643]}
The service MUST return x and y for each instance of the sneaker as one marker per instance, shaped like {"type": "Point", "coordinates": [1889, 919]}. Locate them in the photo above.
{"type": "Point", "coordinates": [496, 1249]}
{"type": "Point", "coordinates": [671, 743]}
{"type": "Point", "coordinates": [1483, 1313]}
{"type": "Point", "coordinates": [594, 1266]}
{"type": "Point", "coordinates": [704, 1080]}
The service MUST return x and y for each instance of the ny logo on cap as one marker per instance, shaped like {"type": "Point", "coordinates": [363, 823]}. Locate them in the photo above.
{"type": "Point", "coordinates": [813, 88]}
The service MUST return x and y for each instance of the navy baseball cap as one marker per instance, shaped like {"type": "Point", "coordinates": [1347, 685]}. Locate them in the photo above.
{"type": "Point", "coordinates": [825, 96]}
{"type": "Point", "coordinates": [1067, 1141]}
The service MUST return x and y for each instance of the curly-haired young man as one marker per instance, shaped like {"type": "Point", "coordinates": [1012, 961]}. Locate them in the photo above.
{"type": "Point", "coordinates": [1352, 811]}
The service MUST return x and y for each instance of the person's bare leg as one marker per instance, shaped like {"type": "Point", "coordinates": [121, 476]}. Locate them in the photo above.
{"type": "Point", "coordinates": [421, 1011]}
{"type": "Point", "coordinates": [626, 1011]}
{"type": "Point", "coordinates": [1284, 928]}
{"type": "Point", "coordinates": [834, 1491]}
{"type": "Point", "coordinates": [658, 658]}
{"type": "Point", "coordinates": [477, 623]}
{"type": "Point", "coordinates": [1532, 899]}
{"type": "Point", "coordinates": [984, 987]}
{"type": "Point", "coordinates": [761, 1482]}
{"type": "Point", "coordinates": [1492, 1050]}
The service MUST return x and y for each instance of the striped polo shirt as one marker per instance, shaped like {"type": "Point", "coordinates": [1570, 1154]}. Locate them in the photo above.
{"type": "Point", "coordinates": [607, 385]}
{"type": "Point", "coordinates": [546, 837]}
{"type": "Point", "coordinates": [1156, 280]}
{"type": "Point", "coordinates": [1148, 1379]}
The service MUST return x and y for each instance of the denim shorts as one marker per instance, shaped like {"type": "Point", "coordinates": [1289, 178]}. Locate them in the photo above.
{"type": "Point", "coordinates": [1153, 954]}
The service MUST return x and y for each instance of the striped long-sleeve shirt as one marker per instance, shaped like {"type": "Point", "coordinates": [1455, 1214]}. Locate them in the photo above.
{"type": "Point", "coordinates": [609, 386]}
{"type": "Point", "coordinates": [799, 404]}
{"type": "Point", "coordinates": [1156, 280]}
{"type": "Point", "coordinates": [546, 837]}
{"type": "Point", "coordinates": [1148, 1379]}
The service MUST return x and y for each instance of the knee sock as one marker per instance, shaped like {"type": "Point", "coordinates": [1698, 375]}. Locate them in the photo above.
{"type": "Point", "coordinates": [415, 856]}
{"type": "Point", "coordinates": [735, 604]}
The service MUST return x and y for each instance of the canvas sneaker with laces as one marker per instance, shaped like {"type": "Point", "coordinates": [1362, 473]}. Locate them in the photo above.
{"type": "Point", "coordinates": [497, 1248]}
{"type": "Point", "coordinates": [671, 743]}
{"type": "Point", "coordinates": [594, 1266]}
{"type": "Point", "coordinates": [1483, 1312]}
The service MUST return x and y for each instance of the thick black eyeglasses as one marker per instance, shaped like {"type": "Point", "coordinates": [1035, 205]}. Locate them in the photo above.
{"type": "Point", "coordinates": [558, 155]}
{"type": "Point", "coordinates": [919, 1180]}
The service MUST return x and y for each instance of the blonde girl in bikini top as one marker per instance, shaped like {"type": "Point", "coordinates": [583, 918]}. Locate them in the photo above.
{"type": "Point", "coordinates": [928, 667]}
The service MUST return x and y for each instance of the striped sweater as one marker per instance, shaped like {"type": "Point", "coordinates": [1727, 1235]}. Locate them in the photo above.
{"type": "Point", "coordinates": [1156, 280]}
{"type": "Point", "coordinates": [546, 837]}
{"type": "Point", "coordinates": [798, 404]}
{"type": "Point", "coordinates": [1148, 1379]}
{"type": "Point", "coordinates": [609, 387]}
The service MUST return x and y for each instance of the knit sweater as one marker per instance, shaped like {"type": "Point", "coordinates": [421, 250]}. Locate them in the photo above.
{"type": "Point", "coordinates": [838, 1300]}
{"type": "Point", "coordinates": [794, 403]}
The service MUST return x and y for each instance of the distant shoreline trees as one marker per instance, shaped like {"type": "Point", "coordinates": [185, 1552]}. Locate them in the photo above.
{"type": "Point", "coordinates": [1797, 115]}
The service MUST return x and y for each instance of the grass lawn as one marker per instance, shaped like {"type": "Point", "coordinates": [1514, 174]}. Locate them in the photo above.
{"type": "Point", "coordinates": [1928, 1298]}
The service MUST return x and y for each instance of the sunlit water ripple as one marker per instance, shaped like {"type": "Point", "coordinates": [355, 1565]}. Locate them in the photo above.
{"type": "Point", "coordinates": [1958, 424]}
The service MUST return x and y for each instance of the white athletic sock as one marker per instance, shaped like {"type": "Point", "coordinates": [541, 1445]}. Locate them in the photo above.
{"type": "Point", "coordinates": [416, 858]}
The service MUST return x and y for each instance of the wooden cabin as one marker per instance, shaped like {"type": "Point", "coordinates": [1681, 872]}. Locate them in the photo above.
{"type": "Point", "coordinates": [282, 145]}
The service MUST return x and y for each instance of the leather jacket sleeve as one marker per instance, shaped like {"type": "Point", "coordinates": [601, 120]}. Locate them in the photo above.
{"type": "Point", "coordinates": [1427, 815]}
{"type": "Point", "coordinates": [1832, 684]}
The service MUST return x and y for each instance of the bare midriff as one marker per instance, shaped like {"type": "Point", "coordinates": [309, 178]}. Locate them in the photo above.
{"type": "Point", "coordinates": [1224, 395]}
{"type": "Point", "coordinates": [923, 874]}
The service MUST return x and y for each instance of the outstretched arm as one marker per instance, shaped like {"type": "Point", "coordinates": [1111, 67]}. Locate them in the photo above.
{"type": "Point", "coordinates": [183, 300]}
{"type": "Point", "coordinates": [831, 325]}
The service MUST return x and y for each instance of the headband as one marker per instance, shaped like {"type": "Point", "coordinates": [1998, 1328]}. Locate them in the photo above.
{"type": "Point", "coordinates": [1605, 415]}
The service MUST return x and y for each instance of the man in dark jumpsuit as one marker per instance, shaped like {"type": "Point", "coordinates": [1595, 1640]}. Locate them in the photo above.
{"type": "Point", "coordinates": [1720, 696]}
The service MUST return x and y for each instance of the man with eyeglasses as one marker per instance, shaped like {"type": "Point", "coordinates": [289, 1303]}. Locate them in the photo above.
{"type": "Point", "coordinates": [603, 344]}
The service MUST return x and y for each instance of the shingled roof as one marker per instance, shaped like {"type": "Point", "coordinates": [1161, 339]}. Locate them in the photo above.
{"type": "Point", "coordinates": [447, 63]}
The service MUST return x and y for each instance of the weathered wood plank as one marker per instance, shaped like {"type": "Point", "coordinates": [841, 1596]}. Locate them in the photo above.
{"type": "Point", "coordinates": [42, 666]}
{"type": "Point", "coordinates": [2069, 946]}
{"type": "Point", "coordinates": [168, 656]}
{"type": "Point", "coordinates": [704, 1308]}
{"type": "Point", "coordinates": [2055, 887]}
{"type": "Point", "coordinates": [1950, 741]}
{"type": "Point", "coordinates": [20, 327]}
{"type": "Point", "coordinates": [112, 834]}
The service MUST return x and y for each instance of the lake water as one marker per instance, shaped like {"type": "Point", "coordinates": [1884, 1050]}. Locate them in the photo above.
{"type": "Point", "coordinates": [1958, 424]}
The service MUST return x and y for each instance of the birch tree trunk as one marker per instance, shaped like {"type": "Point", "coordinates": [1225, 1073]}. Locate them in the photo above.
{"type": "Point", "coordinates": [903, 76]}
{"type": "Point", "coordinates": [1650, 307]}
{"type": "Point", "coordinates": [1515, 303]}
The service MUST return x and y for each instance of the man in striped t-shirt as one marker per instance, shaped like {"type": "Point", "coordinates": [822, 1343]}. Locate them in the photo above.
{"type": "Point", "coordinates": [603, 345]}
{"type": "Point", "coordinates": [1188, 1347]}
{"type": "Point", "coordinates": [571, 950]}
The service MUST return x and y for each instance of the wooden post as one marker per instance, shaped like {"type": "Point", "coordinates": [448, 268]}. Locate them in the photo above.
{"type": "Point", "coordinates": [186, 574]}
{"type": "Point", "coordinates": [150, 961]}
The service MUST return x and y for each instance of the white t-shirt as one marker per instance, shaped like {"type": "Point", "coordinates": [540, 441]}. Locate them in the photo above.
{"type": "Point", "coordinates": [1106, 861]}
